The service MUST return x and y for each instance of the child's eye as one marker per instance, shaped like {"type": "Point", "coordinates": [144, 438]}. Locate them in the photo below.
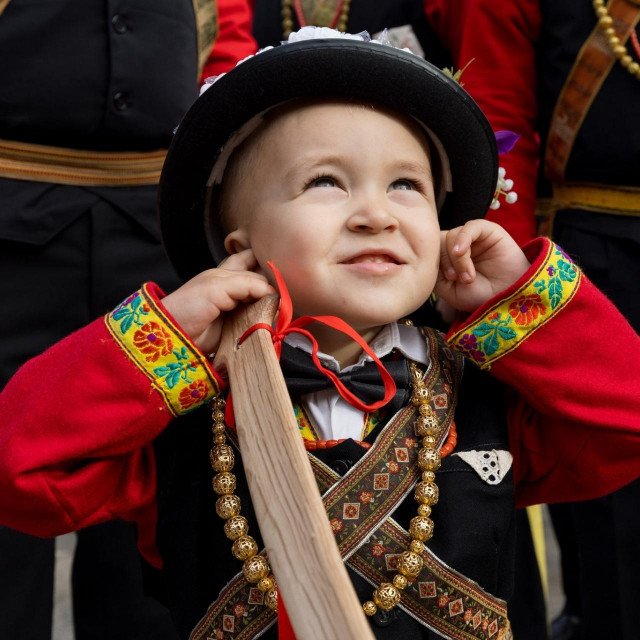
{"type": "Point", "coordinates": [404, 185]}
{"type": "Point", "coordinates": [322, 182]}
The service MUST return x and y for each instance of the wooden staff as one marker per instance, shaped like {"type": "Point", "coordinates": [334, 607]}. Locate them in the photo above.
{"type": "Point", "coordinates": [311, 577]}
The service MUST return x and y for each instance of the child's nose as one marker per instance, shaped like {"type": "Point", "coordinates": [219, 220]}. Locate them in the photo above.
{"type": "Point", "coordinates": [372, 215]}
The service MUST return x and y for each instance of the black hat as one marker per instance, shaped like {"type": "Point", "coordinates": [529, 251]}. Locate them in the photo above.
{"type": "Point", "coordinates": [342, 68]}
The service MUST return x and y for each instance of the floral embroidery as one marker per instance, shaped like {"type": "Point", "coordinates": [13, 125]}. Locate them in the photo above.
{"type": "Point", "coordinates": [351, 511]}
{"type": "Point", "coordinates": [410, 442]}
{"type": "Point", "coordinates": [393, 467]}
{"type": "Point", "coordinates": [371, 421]}
{"type": "Point", "coordinates": [336, 525]}
{"type": "Point", "coordinates": [427, 589]}
{"type": "Point", "coordinates": [195, 393]}
{"type": "Point", "coordinates": [377, 549]}
{"type": "Point", "coordinates": [381, 481]}
{"type": "Point", "coordinates": [228, 623]}
{"type": "Point", "coordinates": [456, 608]}
{"type": "Point", "coordinates": [526, 309]}
{"type": "Point", "coordinates": [239, 609]}
{"type": "Point", "coordinates": [307, 430]}
{"type": "Point", "coordinates": [504, 327]}
{"type": "Point", "coordinates": [153, 341]}
{"type": "Point", "coordinates": [177, 370]}
{"type": "Point", "coordinates": [365, 496]}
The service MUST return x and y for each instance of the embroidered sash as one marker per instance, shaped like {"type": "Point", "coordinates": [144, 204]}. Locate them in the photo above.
{"type": "Point", "coordinates": [591, 68]}
{"type": "Point", "coordinates": [359, 507]}
{"type": "Point", "coordinates": [206, 15]}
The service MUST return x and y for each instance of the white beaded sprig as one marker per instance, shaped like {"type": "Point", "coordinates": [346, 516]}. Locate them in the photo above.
{"type": "Point", "coordinates": [503, 188]}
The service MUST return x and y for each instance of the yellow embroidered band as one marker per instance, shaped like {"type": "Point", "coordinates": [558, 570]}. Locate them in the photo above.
{"type": "Point", "coordinates": [512, 320]}
{"type": "Point", "coordinates": [177, 370]}
{"type": "Point", "coordinates": [58, 165]}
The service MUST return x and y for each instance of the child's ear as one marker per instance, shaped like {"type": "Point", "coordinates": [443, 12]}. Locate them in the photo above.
{"type": "Point", "coordinates": [237, 241]}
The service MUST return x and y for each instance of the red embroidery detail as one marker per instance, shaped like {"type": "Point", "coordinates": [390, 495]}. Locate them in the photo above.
{"type": "Point", "coordinates": [525, 309]}
{"type": "Point", "coordinates": [195, 393]}
{"type": "Point", "coordinates": [153, 340]}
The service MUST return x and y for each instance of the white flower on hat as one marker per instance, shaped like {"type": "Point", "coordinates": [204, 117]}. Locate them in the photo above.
{"type": "Point", "coordinates": [312, 33]}
{"type": "Point", "coordinates": [325, 33]}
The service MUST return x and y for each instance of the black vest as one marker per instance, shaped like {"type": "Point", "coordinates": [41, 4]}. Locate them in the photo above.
{"type": "Point", "coordinates": [474, 521]}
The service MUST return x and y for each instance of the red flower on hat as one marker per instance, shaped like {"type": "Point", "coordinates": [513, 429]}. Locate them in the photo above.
{"type": "Point", "coordinates": [193, 394]}
{"type": "Point", "coordinates": [153, 340]}
{"type": "Point", "coordinates": [525, 309]}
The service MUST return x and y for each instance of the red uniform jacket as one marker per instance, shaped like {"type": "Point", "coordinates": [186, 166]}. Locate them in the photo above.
{"type": "Point", "coordinates": [79, 420]}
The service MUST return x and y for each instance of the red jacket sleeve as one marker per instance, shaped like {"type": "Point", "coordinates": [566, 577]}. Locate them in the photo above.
{"type": "Point", "coordinates": [499, 37]}
{"type": "Point", "coordinates": [234, 41]}
{"type": "Point", "coordinates": [572, 360]}
{"type": "Point", "coordinates": [79, 420]}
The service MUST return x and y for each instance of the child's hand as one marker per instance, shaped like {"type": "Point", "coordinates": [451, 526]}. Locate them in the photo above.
{"type": "Point", "coordinates": [198, 305]}
{"type": "Point", "coordinates": [477, 261]}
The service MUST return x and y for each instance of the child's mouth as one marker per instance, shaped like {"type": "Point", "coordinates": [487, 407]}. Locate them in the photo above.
{"type": "Point", "coordinates": [374, 258]}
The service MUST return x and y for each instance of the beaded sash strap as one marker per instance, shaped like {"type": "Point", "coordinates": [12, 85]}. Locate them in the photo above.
{"type": "Point", "coordinates": [359, 506]}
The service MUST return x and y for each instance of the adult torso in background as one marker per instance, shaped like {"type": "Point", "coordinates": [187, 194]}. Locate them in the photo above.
{"type": "Point", "coordinates": [607, 148]}
{"type": "Point", "coordinates": [96, 75]}
{"type": "Point", "coordinates": [364, 15]}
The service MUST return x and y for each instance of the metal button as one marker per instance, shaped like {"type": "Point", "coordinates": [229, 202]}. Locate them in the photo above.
{"type": "Point", "coordinates": [384, 618]}
{"type": "Point", "coordinates": [341, 466]}
{"type": "Point", "coordinates": [118, 24]}
{"type": "Point", "coordinates": [120, 101]}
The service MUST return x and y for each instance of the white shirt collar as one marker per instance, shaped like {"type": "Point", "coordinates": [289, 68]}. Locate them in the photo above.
{"type": "Point", "coordinates": [406, 339]}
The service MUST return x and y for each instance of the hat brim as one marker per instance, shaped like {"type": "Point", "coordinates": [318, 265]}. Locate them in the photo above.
{"type": "Point", "coordinates": [334, 68]}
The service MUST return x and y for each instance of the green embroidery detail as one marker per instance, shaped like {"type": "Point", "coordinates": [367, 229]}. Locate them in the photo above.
{"type": "Point", "coordinates": [505, 326]}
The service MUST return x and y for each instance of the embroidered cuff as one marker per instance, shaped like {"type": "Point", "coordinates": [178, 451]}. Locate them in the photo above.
{"type": "Point", "coordinates": [505, 322]}
{"type": "Point", "coordinates": [154, 342]}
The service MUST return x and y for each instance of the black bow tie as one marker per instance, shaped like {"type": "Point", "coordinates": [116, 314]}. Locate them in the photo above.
{"type": "Point", "coordinates": [302, 377]}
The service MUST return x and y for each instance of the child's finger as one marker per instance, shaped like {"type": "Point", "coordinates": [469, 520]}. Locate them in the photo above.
{"type": "Point", "coordinates": [240, 288]}
{"type": "Point", "coordinates": [242, 261]}
{"type": "Point", "coordinates": [459, 243]}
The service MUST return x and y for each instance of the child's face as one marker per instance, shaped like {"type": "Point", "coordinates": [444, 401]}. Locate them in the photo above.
{"type": "Point", "coordinates": [341, 199]}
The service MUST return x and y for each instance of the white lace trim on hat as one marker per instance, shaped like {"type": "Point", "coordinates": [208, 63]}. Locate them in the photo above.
{"type": "Point", "coordinates": [492, 466]}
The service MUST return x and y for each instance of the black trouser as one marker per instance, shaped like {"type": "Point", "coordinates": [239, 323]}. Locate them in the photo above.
{"type": "Point", "coordinates": [607, 530]}
{"type": "Point", "coordinates": [48, 291]}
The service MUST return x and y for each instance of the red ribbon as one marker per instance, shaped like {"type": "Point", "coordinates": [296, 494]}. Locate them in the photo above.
{"type": "Point", "coordinates": [285, 325]}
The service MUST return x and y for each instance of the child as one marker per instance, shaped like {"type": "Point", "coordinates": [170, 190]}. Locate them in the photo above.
{"type": "Point", "coordinates": [339, 160]}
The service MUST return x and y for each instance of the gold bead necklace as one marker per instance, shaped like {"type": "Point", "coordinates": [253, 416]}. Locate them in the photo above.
{"type": "Point", "coordinates": [605, 22]}
{"type": "Point", "coordinates": [255, 566]}
{"type": "Point", "coordinates": [426, 426]}
{"type": "Point", "coordinates": [339, 20]}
